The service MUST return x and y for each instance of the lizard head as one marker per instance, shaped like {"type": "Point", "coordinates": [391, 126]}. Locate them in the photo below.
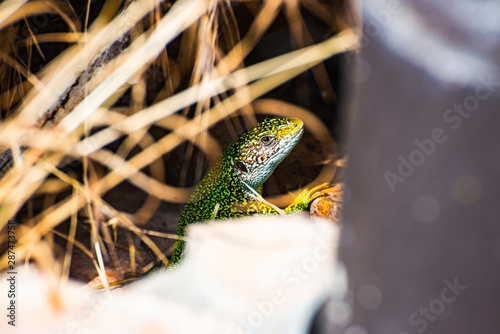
{"type": "Point", "coordinates": [257, 152]}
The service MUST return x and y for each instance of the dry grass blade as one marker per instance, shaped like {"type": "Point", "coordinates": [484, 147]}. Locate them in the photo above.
{"type": "Point", "coordinates": [36, 8]}
{"type": "Point", "coordinates": [8, 8]}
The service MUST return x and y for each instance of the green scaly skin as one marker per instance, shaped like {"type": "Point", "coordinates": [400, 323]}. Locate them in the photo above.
{"type": "Point", "coordinates": [248, 162]}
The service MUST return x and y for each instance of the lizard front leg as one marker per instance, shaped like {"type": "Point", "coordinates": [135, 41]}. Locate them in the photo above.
{"type": "Point", "coordinates": [306, 197]}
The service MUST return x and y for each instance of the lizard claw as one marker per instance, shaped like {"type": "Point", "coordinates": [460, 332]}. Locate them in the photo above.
{"type": "Point", "coordinates": [319, 191]}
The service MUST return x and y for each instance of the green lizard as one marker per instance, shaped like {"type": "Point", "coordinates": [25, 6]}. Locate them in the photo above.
{"type": "Point", "coordinates": [232, 186]}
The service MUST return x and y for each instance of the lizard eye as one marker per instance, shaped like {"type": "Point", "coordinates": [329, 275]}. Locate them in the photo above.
{"type": "Point", "coordinates": [267, 140]}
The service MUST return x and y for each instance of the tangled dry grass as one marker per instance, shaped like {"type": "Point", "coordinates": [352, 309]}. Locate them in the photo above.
{"type": "Point", "coordinates": [88, 92]}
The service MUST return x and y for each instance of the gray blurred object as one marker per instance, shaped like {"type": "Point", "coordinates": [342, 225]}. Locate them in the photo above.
{"type": "Point", "coordinates": [421, 233]}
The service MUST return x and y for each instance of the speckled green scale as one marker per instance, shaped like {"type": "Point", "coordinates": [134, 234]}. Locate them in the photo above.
{"type": "Point", "coordinates": [247, 163]}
